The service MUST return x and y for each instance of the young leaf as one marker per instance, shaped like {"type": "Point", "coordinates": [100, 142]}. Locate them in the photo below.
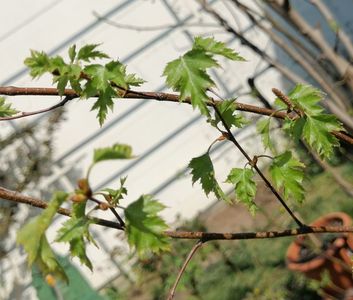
{"type": "Point", "coordinates": [117, 151]}
{"type": "Point", "coordinates": [114, 196]}
{"type": "Point", "coordinates": [306, 98]}
{"type": "Point", "coordinates": [212, 46]}
{"type": "Point", "coordinates": [144, 228]}
{"type": "Point", "coordinates": [202, 169]}
{"type": "Point", "coordinates": [188, 75]}
{"type": "Point", "coordinates": [245, 187]}
{"type": "Point", "coordinates": [287, 173]}
{"type": "Point", "coordinates": [263, 127]}
{"type": "Point", "coordinates": [72, 53]}
{"type": "Point", "coordinates": [317, 132]}
{"type": "Point", "coordinates": [227, 109]}
{"type": "Point", "coordinates": [32, 238]}
{"type": "Point", "coordinates": [118, 75]}
{"type": "Point", "coordinates": [38, 63]}
{"type": "Point", "coordinates": [5, 109]}
{"type": "Point", "coordinates": [75, 232]}
{"type": "Point", "coordinates": [89, 52]}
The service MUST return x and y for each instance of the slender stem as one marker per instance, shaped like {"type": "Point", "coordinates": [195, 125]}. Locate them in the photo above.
{"type": "Point", "coordinates": [36, 112]}
{"type": "Point", "coordinates": [112, 209]}
{"type": "Point", "coordinates": [181, 271]}
{"type": "Point", "coordinates": [267, 182]}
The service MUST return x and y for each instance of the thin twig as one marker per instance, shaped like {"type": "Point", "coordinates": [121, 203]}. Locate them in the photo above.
{"type": "Point", "coordinates": [181, 271]}
{"type": "Point", "coordinates": [13, 196]}
{"type": "Point", "coordinates": [20, 198]}
{"type": "Point", "coordinates": [36, 112]}
{"type": "Point", "coordinates": [267, 182]}
{"type": "Point", "coordinates": [112, 209]}
{"type": "Point", "coordinates": [17, 91]}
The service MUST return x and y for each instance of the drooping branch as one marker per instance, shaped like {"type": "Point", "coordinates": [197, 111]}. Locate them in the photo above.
{"type": "Point", "coordinates": [159, 96]}
{"type": "Point", "coordinates": [36, 112]}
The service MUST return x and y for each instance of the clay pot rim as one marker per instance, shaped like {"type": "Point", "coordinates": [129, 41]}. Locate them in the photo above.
{"type": "Point", "coordinates": [294, 248]}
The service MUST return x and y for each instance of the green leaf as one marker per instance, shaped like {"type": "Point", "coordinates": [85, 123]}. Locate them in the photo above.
{"type": "Point", "coordinates": [263, 128]}
{"type": "Point", "coordinates": [306, 98]}
{"type": "Point", "coordinates": [118, 75]}
{"type": "Point", "coordinates": [117, 151]}
{"type": "Point", "coordinates": [89, 52]}
{"type": "Point", "coordinates": [103, 103]}
{"type": "Point", "coordinates": [114, 196]}
{"type": "Point", "coordinates": [245, 187]}
{"type": "Point", "coordinates": [32, 238]}
{"type": "Point", "coordinates": [75, 231]}
{"type": "Point", "coordinates": [287, 173]}
{"type": "Point", "coordinates": [294, 127]}
{"type": "Point", "coordinates": [38, 63]}
{"type": "Point", "coordinates": [188, 75]}
{"type": "Point", "coordinates": [212, 46]}
{"type": "Point", "coordinates": [317, 132]}
{"type": "Point", "coordinates": [144, 228]}
{"type": "Point", "coordinates": [202, 170]}
{"type": "Point", "coordinates": [62, 83]}
{"type": "Point", "coordinates": [227, 109]}
{"type": "Point", "coordinates": [100, 83]}
{"type": "Point", "coordinates": [72, 53]}
{"type": "Point", "coordinates": [5, 109]}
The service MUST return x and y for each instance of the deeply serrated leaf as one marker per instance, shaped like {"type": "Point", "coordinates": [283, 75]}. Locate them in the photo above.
{"type": "Point", "coordinates": [245, 187]}
{"type": "Point", "coordinates": [5, 109]}
{"type": "Point", "coordinates": [32, 238]}
{"type": "Point", "coordinates": [188, 76]}
{"type": "Point", "coordinates": [287, 173]}
{"type": "Point", "coordinates": [215, 47]}
{"type": "Point", "coordinates": [38, 63]}
{"type": "Point", "coordinates": [117, 151]}
{"type": "Point", "coordinates": [227, 109]}
{"type": "Point", "coordinates": [263, 128]}
{"type": "Point", "coordinates": [144, 228]}
{"type": "Point", "coordinates": [306, 97]}
{"type": "Point", "coordinates": [89, 52]}
{"type": "Point", "coordinates": [202, 170]}
{"type": "Point", "coordinates": [317, 132]}
{"type": "Point", "coordinates": [75, 231]}
{"type": "Point", "coordinates": [103, 103]}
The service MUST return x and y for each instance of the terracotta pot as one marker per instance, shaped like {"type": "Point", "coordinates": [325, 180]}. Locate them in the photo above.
{"type": "Point", "coordinates": [335, 257]}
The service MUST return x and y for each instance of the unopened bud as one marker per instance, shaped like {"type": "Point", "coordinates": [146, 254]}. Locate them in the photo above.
{"type": "Point", "coordinates": [84, 186]}
{"type": "Point", "coordinates": [50, 280]}
{"type": "Point", "coordinates": [78, 198]}
{"type": "Point", "coordinates": [103, 206]}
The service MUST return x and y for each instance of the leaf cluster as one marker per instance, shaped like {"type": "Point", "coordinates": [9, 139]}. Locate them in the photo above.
{"type": "Point", "coordinates": [314, 126]}
{"type": "Point", "coordinates": [5, 109]}
{"type": "Point", "coordinates": [87, 79]}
